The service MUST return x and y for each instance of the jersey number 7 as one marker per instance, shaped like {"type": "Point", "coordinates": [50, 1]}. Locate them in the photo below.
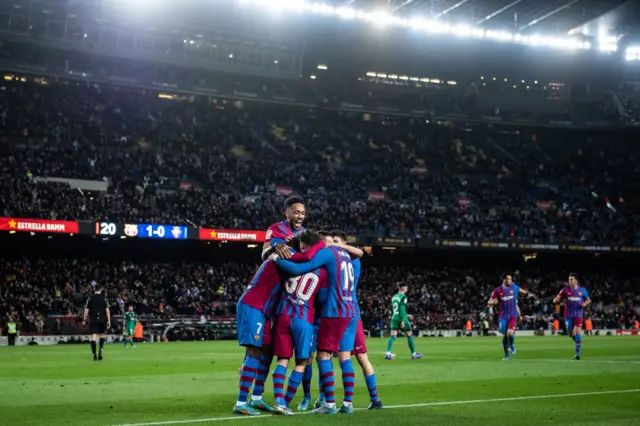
{"type": "Point", "coordinates": [348, 277]}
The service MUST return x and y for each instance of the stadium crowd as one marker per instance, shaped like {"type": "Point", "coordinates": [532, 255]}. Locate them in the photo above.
{"type": "Point", "coordinates": [443, 298]}
{"type": "Point", "coordinates": [201, 161]}
{"type": "Point", "coordinates": [390, 176]}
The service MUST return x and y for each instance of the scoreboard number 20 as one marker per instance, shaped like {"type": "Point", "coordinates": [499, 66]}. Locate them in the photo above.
{"type": "Point", "coordinates": [105, 228]}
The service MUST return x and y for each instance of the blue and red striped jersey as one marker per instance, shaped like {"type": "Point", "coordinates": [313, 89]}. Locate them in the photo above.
{"type": "Point", "coordinates": [264, 290]}
{"type": "Point", "coordinates": [299, 295]}
{"type": "Point", "coordinates": [574, 299]}
{"type": "Point", "coordinates": [357, 266]}
{"type": "Point", "coordinates": [278, 232]}
{"type": "Point", "coordinates": [341, 301]}
{"type": "Point", "coordinates": [508, 298]}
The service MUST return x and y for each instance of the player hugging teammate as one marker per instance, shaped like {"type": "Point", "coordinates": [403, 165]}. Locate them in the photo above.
{"type": "Point", "coordinates": [278, 312]}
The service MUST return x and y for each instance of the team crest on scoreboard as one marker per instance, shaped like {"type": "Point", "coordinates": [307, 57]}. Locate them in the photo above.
{"type": "Point", "coordinates": [176, 231]}
{"type": "Point", "coordinates": [130, 230]}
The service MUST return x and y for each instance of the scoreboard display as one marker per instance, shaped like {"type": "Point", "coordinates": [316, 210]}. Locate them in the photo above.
{"type": "Point", "coordinates": [141, 230]}
{"type": "Point", "coordinates": [166, 232]}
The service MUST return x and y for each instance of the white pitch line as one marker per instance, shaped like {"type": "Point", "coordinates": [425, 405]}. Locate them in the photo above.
{"type": "Point", "coordinates": [391, 407]}
{"type": "Point", "coordinates": [515, 357]}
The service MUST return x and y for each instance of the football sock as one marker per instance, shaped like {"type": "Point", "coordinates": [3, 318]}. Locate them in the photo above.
{"type": "Point", "coordinates": [348, 379]}
{"type": "Point", "coordinates": [294, 381]}
{"type": "Point", "coordinates": [372, 387]}
{"type": "Point", "coordinates": [325, 370]}
{"type": "Point", "coordinates": [511, 340]}
{"type": "Point", "coordinates": [261, 376]}
{"type": "Point", "coordinates": [505, 344]}
{"type": "Point", "coordinates": [390, 343]}
{"type": "Point", "coordinates": [93, 347]}
{"type": "Point", "coordinates": [101, 343]}
{"type": "Point", "coordinates": [412, 345]}
{"type": "Point", "coordinates": [247, 374]}
{"type": "Point", "coordinates": [279, 377]}
{"type": "Point", "coordinates": [306, 381]}
{"type": "Point", "coordinates": [578, 344]}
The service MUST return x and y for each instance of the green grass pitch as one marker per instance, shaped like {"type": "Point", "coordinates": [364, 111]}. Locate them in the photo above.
{"type": "Point", "coordinates": [459, 382]}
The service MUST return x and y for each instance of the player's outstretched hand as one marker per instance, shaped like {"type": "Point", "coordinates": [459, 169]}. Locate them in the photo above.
{"type": "Point", "coordinates": [273, 257]}
{"type": "Point", "coordinates": [283, 251]}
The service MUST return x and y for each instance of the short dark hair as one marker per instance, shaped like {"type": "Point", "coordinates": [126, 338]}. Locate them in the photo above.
{"type": "Point", "coordinates": [505, 275]}
{"type": "Point", "coordinates": [97, 288]}
{"type": "Point", "coordinates": [400, 285]}
{"type": "Point", "coordinates": [294, 199]}
{"type": "Point", "coordinates": [574, 275]}
{"type": "Point", "coordinates": [309, 237]}
{"type": "Point", "coordinates": [340, 234]}
{"type": "Point", "coordinates": [325, 234]}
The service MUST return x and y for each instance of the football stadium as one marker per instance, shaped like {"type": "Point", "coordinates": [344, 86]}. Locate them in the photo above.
{"type": "Point", "coordinates": [332, 212]}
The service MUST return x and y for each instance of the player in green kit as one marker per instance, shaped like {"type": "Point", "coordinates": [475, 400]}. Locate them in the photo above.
{"type": "Point", "coordinates": [129, 325]}
{"type": "Point", "coordinates": [400, 321]}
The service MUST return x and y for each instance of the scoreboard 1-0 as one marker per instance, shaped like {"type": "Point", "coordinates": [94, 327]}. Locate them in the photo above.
{"type": "Point", "coordinates": [166, 232]}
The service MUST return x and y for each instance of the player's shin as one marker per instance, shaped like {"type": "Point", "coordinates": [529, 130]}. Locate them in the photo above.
{"type": "Point", "coordinates": [325, 370]}
{"type": "Point", "coordinates": [306, 381]}
{"type": "Point", "coordinates": [279, 377]}
{"type": "Point", "coordinates": [392, 339]}
{"type": "Point", "coordinates": [511, 339]}
{"type": "Point", "coordinates": [412, 345]}
{"type": "Point", "coordinates": [261, 376]}
{"type": "Point", "coordinates": [578, 343]}
{"type": "Point", "coordinates": [247, 376]}
{"type": "Point", "coordinates": [505, 344]}
{"type": "Point", "coordinates": [295, 378]}
{"type": "Point", "coordinates": [348, 380]}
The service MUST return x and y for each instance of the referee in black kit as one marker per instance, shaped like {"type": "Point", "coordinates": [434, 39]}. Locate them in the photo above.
{"type": "Point", "coordinates": [97, 311]}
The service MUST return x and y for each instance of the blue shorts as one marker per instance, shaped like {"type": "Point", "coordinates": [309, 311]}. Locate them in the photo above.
{"type": "Point", "coordinates": [506, 324]}
{"type": "Point", "coordinates": [314, 339]}
{"type": "Point", "coordinates": [572, 322]}
{"type": "Point", "coordinates": [251, 325]}
{"type": "Point", "coordinates": [347, 343]}
{"type": "Point", "coordinates": [292, 336]}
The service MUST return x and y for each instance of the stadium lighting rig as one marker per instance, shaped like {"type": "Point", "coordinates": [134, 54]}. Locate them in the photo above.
{"type": "Point", "coordinates": [428, 26]}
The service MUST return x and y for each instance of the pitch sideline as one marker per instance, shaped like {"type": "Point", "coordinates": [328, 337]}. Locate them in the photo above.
{"type": "Point", "coordinates": [391, 407]}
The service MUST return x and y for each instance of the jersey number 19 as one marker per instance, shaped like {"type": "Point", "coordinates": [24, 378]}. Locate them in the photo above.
{"type": "Point", "coordinates": [348, 277]}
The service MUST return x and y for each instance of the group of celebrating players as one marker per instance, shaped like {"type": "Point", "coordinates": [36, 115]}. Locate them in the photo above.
{"type": "Point", "coordinates": [303, 297]}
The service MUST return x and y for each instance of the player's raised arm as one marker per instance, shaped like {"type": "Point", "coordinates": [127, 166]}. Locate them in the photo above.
{"type": "Point", "coordinates": [354, 252]}
{"type": "Point", "coordinates": [322, 258]}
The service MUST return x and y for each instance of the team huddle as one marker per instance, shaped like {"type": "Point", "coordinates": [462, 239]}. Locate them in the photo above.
{"type": "Point", "coordinates": [301, 300]}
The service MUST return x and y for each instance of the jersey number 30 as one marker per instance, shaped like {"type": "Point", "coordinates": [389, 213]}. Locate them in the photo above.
{"type": "Point", "coordinates": [302, 286]}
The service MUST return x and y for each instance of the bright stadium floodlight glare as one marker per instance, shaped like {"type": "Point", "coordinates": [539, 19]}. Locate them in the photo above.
{"type": "Point", "coordinates": [383, 18]}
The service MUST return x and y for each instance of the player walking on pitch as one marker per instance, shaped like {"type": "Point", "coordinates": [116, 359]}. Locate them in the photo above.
{"type": "Point", "coordinates": [129, 325]}
{"type": "Point", "coordinates": [507, 295]}
{"type": "Point", "coordinates": [577, 298]}
{"type": "Point", "coordinates": [401, 321]}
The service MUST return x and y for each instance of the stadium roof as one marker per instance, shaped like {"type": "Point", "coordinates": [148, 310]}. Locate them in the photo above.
{"type": "Point", "coordinates": [525, 16]}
